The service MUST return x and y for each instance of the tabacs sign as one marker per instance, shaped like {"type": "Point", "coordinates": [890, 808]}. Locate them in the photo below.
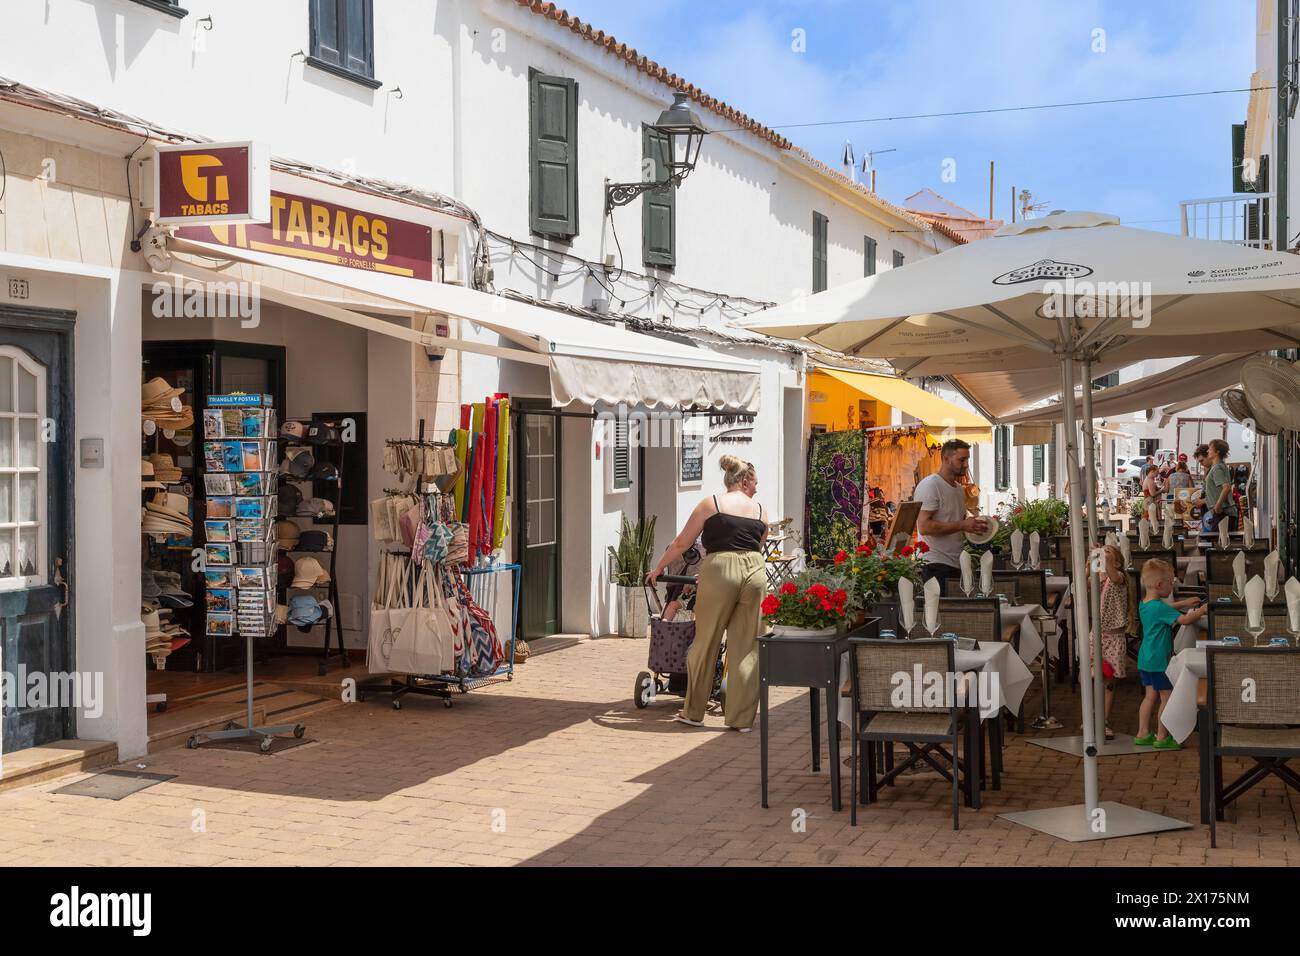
{"type": "Point", "coordinates": [321, 231]}
{"type": "Point", "coordinates": [212, 183]}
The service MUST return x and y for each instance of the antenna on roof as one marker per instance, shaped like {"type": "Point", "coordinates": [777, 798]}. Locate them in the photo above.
{"type": "Point", "coordinates": [869, 164]}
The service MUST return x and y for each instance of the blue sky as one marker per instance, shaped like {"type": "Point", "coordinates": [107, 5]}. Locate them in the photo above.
{"type": "Point", "coordinates": [873, 58]}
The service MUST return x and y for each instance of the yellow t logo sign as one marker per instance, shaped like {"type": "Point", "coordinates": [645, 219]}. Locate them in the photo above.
{"type": "Point", "coordinates": [196, 184]}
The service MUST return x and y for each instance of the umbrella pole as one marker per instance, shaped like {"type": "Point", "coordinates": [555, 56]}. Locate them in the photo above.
{"type": "Point", "coordinates": [1094, 538]}
{"type": "Point", "coordinates": [1081, 598]}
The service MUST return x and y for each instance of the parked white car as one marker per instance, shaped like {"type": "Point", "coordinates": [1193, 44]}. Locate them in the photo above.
{"type": "Point", "coordinates": [1129, 472]}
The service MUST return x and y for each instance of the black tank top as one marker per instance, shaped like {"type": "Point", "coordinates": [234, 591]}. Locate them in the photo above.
{"type": "Point", "coordinates": [724, 532]}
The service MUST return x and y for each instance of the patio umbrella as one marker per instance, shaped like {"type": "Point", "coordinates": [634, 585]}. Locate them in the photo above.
{"type": "Point", "coordinates": [1070, 289]}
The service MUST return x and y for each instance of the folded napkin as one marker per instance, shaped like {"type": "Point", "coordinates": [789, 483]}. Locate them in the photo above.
{"type": "Point", "coordinates": [1155, 512]}
{"type": "Point", "coordinates": [1144, 534]}
{"type": "Point", "coordinates": [1272, 569]}
{"type": "Point", "coordinates": [967, 573]}
{"type": "Point", "coordinates": [1292, 589]}
{"type": "Point", "coordinates": [1017, 547]}
{"type": "Point", "coordinates": [1224, 538]}
{"type": "Point", "coordinates": [986, 572]}
{"type": "Point", "coordinates": [931, 590]}
{"type": "Point", "coordinates": [1168, 539]}
{"type": "Point", "coordinates": [1239, 573]}
{"type": "Point", "coordinates": [1254, 601]}
{"type": "Point", "coordinates": [1112, 540]}
{"type": "Point", "coordinates": [1125, 548]}
{"type": "Point", "coordinates": [1034, 544]}
{"type": "Point", "coordinates": [906, 605]}
{"type": "Point", "coordinates": [1248, 534]}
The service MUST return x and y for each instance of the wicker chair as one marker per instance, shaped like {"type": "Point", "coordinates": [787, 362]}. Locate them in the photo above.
{"type": "Point", "coordinates": [881, 718]}
{"type": "Point", "coordinates": [1263, 727]}
{"type": "Point", "coordinates": [1030, 586]}
{"type": "Point", "coordinates": [1218, 573]}
{"type": "Point", "coordinates": [1229, 620]}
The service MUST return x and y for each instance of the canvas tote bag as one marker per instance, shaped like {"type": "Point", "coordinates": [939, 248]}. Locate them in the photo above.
{"type": "Point", "coordinates": [388, 615]}
{"type": "Point", "coordinates": [425, 642]}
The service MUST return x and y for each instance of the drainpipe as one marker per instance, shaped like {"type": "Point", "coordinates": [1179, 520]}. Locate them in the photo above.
{"type": "Point", "coordinates": [1280, 146]}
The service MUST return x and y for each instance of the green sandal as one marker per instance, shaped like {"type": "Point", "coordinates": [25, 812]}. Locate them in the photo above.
{"type": "Point", "coordinates": [1168, 743]}
{"type": "Point", "coordinates": [1146, 741]}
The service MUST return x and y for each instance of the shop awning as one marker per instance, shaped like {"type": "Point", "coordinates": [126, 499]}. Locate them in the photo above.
{"type": "Point", "coordinates": [590, 363]}
{"type": "Point", "coordinates": [1189, 379]}
{"type": "Point", "coordinates": [932, 411]}
{"type": "Point", "coordinates": [1033, 434]}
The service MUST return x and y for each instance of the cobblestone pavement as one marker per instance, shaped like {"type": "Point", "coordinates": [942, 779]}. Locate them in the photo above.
{"type": "Point", "coordinates": [558, 767]}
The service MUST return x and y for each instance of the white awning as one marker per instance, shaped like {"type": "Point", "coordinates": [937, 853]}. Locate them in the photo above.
{"type": "Point", "coordinates": [590, 363]}
{"type": "Point", "coordinates": [1190, 379]}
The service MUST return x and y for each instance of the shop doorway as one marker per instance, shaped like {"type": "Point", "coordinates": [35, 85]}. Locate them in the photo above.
{"type": "Point", "coordinates": [538, 517]}
{"type": "Point", "coordinates": [36, 490]}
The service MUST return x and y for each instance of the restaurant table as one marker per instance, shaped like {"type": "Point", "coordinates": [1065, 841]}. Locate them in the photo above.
{"type": "Point", "coordinates": [1022, 615]}
{"type": "Point", "coordinates": [812, 662]}
{"type": "Point", "coordinates": [1185, 669]}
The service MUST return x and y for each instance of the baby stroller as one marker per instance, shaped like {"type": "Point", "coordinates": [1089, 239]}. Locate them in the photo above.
{"type": "Point", "coordinates": [669, 643]}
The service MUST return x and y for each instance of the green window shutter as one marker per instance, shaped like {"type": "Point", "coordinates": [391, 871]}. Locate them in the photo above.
{"type": "Point", "coordinates": [898, 259]}
{"type": "Point", "coordinates": [1038, 464]}
{"type": "Point", "coordinates": [658, 209]}
{"type": "Point", "coordinates": [325, 31]}
{"type": "Point", "coordinates": [621, 461]}
{"type": "Point", "coordinates": [1002, 457]}
{"type": "Point", "coordinates": [820, 224]}
{"type": "Point", "coordinates": [358, 36]}
{"type": "Point", "coordinates": [553, 155]}
{"type": "Point", "coordinates": [868, 256]}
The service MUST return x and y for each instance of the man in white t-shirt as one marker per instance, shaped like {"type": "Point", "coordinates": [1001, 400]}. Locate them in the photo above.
{"type": "Point", "coordinates": [943, 517]}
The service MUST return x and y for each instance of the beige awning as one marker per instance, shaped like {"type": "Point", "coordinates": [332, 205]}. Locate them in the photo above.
{"type": "Point", "coordinates": [1031, 434]}
{"type": "Point", "coordinates": [590, 363]}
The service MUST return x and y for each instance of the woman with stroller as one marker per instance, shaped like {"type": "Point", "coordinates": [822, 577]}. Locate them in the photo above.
{"type": "Point", "coordinates": [728, 597]}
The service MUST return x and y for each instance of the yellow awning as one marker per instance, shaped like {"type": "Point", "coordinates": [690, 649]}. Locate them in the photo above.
{"type": "Point", "coordinates": [934, 412]}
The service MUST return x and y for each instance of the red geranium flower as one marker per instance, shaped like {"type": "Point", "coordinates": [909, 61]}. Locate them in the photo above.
{"type": "Point", "coordinates": [827, 606]}
{"type": "Point", "coordinates": [922, 547]}
{"type": "Point", "coordinates": [839, 596]}
{"type": "Point", "coordinates": [862, 549]}
{"type": "Point", "coordinates": [770, 604]}
{"type": "Point", "coordinates": [906, 551]}
{"type": "Point", "coordinates": [818, 590]}
{"type": "Point", "coordinates": [841, 557]}
{"type": "Point", "coordinates": [789, 588]}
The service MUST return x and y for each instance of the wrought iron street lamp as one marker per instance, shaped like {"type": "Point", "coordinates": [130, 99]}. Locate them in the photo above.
{"type": "Point", "coordinates": [682, 136]}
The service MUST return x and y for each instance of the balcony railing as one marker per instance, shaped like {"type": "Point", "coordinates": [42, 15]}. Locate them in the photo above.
{"type": "Point", "coordinates": [1242, 218]}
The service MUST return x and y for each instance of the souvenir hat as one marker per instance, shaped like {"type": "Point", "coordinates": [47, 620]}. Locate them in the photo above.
{"type": "Point", "coordinates": [324, 471]}
{"type": "Point", "coordinates": [316, 541]}
{"type": "Point", "coordinates": [281, 613]}
{"type": "Point", "coordinates": [168, 419]}
{"type": "Point", "coordinates": [164, 468]}
{"type": "Point", "coordinates": [301, 465]}
{"type": "Point", "coordinates": [149, 584]}
{"type": "Point", "coordinates": [289, 499]}
{"type": "Point", "coordinates": [319, 433]}
{"type": "Point", "coordinates": [147, 479]}
{"type": "Point", "coordinates": [284, 567]}
{"type": "Point", "coordinates": [170, 505]}
{"type": "Point", "coordinates": [307, 573]}
{"type": "Point", "coordinates": [291, 455]}
{"type": "Point", "coordinates": [304, 610]}
{"type": "Point", "coordinates": [293, 430]}
{"type": "Point", "coordinates": [318, 506]}
{"type": "Point", "coordinates": [287, 534]}
{"type": "Point", "coordinates": [158, 391]}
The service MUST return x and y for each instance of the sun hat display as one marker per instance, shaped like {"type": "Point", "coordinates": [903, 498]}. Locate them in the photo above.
{"type": "Point", "coordinates": [158, 393]}
{"type": "Point", "coordinates": [304, 610]}
{"type": "Point", "coordinates": [287, 534]}
{"type": "Point", "coordinates": [147, 477]}
{"type": "Point", "coordinates": [164, 468]}
{"type": "Point", "coordinates": [149, 584]}
{"type": "Point", "coordinates": [170, 505]}
{"type": "Point", "coordinates": [290, 498]}
{"type": "Point", "coordinates": [318, 506]}
{"type": "Point", "coordinates": [297, 462]}
{"type": "Point", "coordinates": [307, 573]}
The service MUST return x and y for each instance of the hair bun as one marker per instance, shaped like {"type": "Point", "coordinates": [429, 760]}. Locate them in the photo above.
{"type": "Point", "coordinates": [730, 463]}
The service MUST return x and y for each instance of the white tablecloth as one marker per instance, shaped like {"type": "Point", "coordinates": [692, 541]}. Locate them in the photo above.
{"type": "Point", "coordinates": [1184, 671]}
{"type": "Point", "coordinates": [1031, 642]}
{"type": "Point", "coordinates": [1189, 634]}
{"type": "Point", "coordinates": [1192, 569]}
{"type": "Point", "coordinates": [1002, 678]}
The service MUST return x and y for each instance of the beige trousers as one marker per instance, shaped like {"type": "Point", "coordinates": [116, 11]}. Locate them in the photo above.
{"type": "Point", "coordinates": [728, 600]}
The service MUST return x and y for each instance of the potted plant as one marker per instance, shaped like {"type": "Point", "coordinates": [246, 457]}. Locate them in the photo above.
{"type": "Point", "coordinates": [1047, 516]}
{"type": "Point", "coordinates": [630, 565]}
{"type": "Point", "coordinates": [874, 577]}
{"type": "Point", "coordinates": [803, 609]}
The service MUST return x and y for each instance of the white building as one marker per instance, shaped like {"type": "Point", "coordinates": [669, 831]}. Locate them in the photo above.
{"type": "Point", "coordinates": [429, 120]}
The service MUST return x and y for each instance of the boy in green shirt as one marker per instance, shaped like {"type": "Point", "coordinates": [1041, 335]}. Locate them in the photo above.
{"type": "Point", "coordinates": [1158, 620]}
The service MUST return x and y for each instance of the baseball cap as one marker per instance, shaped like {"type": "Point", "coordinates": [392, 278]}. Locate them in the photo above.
{"type": "Point", "coordinates": [293, 430]}
{"type": "Point", "coordinates": [315, 541]}
{"type": "Point", "coordinates": [304, 610]}
{"type": "Point", "coordinates": [324, 471]}
{"type": "Point", "coordinates": [307, 573]}
{"type": "Point", "coordinates": [287, 534]}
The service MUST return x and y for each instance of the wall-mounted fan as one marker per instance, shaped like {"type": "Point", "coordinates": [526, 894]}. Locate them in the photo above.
{"type": "Point", "coordinates": [1233, 401]}
{"type": "Point", "coordinates": [1272, 391]}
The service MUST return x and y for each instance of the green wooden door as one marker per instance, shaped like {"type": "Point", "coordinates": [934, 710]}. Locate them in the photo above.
{"type": "Point", "coordinates": [537, 494]}
{"type": "Point", "coordinates": [35, 525]}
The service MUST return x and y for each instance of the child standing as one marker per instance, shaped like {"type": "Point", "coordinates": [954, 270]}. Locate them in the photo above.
{"type": "Point", "coordinates": [1114, 624]}
{"type": "Point", "coordinates": [1158, 620]}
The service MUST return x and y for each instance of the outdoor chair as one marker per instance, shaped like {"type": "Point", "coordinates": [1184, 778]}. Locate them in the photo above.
{"type": "Point", "coordinates": [1229, 620]}
{"type": "Point", "coordinates": [1030, 586]}
{"type": "Point", "coordinates": [1264, 726]}
{"type": "Point", "coordinates": [1218, 573]}
{"type": "Point", "coordinates": [882, 717]}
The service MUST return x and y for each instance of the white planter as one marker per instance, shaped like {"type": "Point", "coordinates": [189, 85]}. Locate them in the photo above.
{"type": "Point", "coordinates": [782, 630]}
{"type": "Point", "coordinates": [633, 612]}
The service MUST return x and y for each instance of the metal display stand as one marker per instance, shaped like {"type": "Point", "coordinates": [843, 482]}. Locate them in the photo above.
{"type": "Point", "coordinates": [234, 732]}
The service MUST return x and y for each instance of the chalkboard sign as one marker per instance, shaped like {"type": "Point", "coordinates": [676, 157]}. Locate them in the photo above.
{"type": "Point", "coordinates": [692, 461]}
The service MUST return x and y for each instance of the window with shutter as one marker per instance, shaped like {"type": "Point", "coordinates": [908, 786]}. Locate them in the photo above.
{"type": "Point", "coordinates": [620, 457]}
{"type": "Point", "coordinates": [868, 256]}
{"type": "Point", "coordinates": [553, 155]}
{"type": "Point", "coordinates": [1039, 451]}
{"type": "Point", "coordinates": [170, 7]}
{"type": "Point", "coordinates": [343, 39]}
{"type": "Point", "coordinates": [898, 259]}
{"type": "Point", "coordinates": [658, 209]}
{"type": "Point", "coordinates": [820, 230]}
{"type": "Point", "coordinates": [1002, 457]}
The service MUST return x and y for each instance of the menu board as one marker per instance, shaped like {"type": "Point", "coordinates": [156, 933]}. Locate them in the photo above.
{"type": "Point", "coordinates": [692, 458]}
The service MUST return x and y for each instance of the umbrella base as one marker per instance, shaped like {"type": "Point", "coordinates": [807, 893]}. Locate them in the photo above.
{"type": "Point", "coordinates": [1119, 747]}
{"type": "Point", "coordinates": [1072, 824]}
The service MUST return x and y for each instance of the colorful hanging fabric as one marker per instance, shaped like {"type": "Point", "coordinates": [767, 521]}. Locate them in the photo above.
{"type": "Point", "coordinates": [489, 474]}
{"type": "Point", "coordinates": [503, 462]}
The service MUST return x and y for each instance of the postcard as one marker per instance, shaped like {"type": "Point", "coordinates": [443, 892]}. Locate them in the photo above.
{"type": "Point", "coordinates": [221, 600]}
{"type": "Point", "coordinates": [217, 530]}
{"type": "Point", "coordinates": [221, 625]}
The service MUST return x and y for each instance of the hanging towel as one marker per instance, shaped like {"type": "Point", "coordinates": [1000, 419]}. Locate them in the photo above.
{"type": "Point", "coordinates": [503, 465]}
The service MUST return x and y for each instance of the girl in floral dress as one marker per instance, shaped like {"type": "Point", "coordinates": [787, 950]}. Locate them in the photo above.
{"type": "Point", "coordinates": [1114, 624]}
